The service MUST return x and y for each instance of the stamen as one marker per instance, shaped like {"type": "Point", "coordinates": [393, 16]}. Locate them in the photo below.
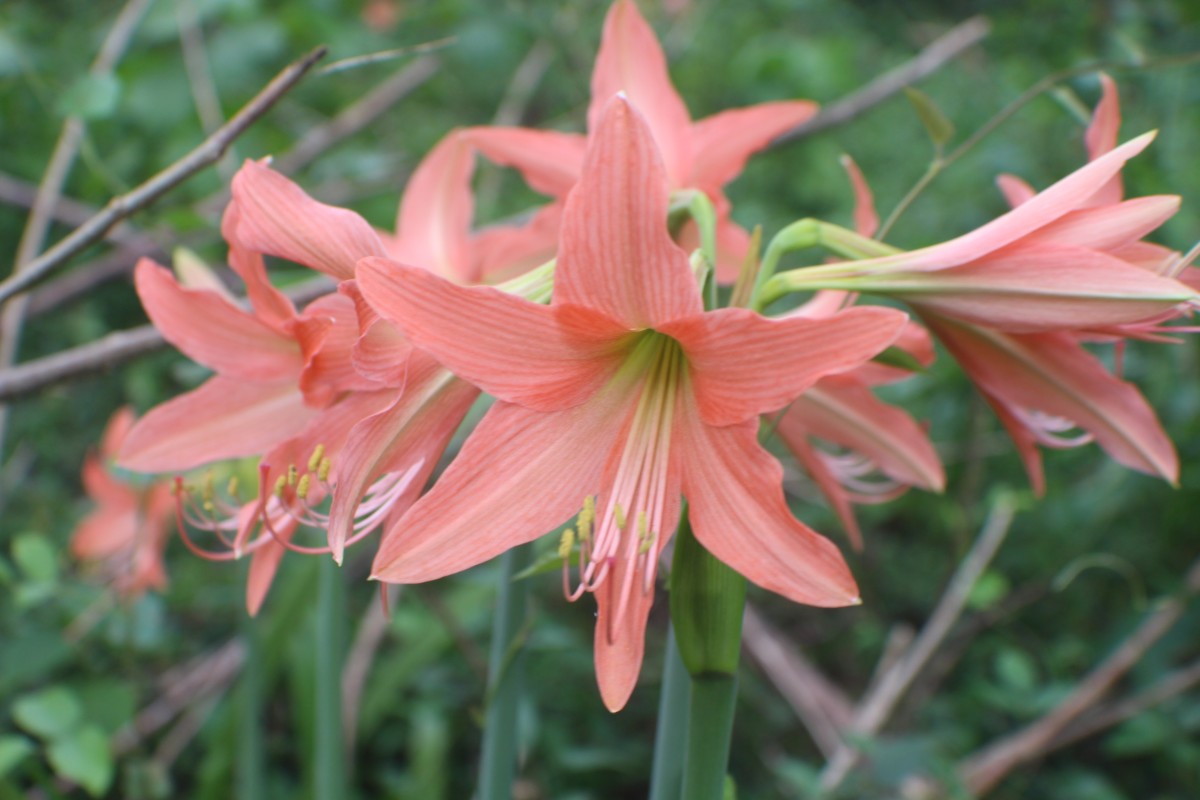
{"type": "Point", "coordinates": [292, 475]}
{"type": "Point", "coordinates": [314, 460]}
{"type": "Point", "coordinates": [323, 470]}
{"type": "Point", "coordinates": [280, 485]}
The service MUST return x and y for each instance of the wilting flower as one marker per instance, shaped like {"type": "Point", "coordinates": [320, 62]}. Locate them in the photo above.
{"type": "Point", "coordinates": [125, 535]}
{"type": "Point", "coordinates": [702, 155]}
{"type": "Point", "coordinates": [618, 398]}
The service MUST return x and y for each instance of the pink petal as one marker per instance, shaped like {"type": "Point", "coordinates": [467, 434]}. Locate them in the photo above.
{"type": "Point", "coordinates": [505, 251]}
{"type": "Point", "coordinates": [270, 305]}
{"type": "Point", "coordinates": [1105, 126]}
{"type": "Point", "coordinates": [1108, 227]}
{"type": "Point", "coordinates": [722, 143]}
{"type": "Point", "coordinates": [549, 160]}
{"type": "Point", "coordinates": [845, 412]}
{"type": "Point", "coordinates": [630, 60]}
{"type": "Point", "coordinates": [533, 355]}
{"type": "Point", "coordinates": [795, 436]}
{"type": "Point", "coordinates": [743, 364]}
{"type": "Point", "coordinates": [735, 493]}
{"type": "Point", "coordinates": [224, 418]}
{"type": "Point", "coordinates": [1050, 372]}
{"type": "Point", "coordinates": [866, 220]}
{"type": "Point", "coordinates": [105, 531]}
{"type": "Point", "coordinates": [616, 254]}
{"type": "Point", "coordinates": [265, 561]}
{"type": "Point", "coordinates": [328, 332]}
{"type": "Point", "coordinates": [276, 217]}
{"type": "Point", "coordinates": [619, 660]}
{"type": "Point", "coordinates": [520, 474]}
{"type": "Point", "coordinates": [211, 331]}
{"type": "Point", "coordinates": [434, 222]}
{"type": "Point", "coordinates": [1015, 190]}
{"type": "Point", "coordinates": [409, 434]}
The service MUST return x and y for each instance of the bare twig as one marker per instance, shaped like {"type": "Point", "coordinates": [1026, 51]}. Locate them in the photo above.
{"type": "Point", "coordinates": [820, 705]}
{"type": "Point", "coordinates": [195, 63]}
{"type": "Point", "coordinates": [983, 770]}
{"type": "Point", "coordinates": [122, 206]}
{"type": "Point", "coordinates": [371, 632]}
{"type": "Point", "coordinates": [80, 281]}
{"type": "Point", "coordinates": [359, 115]}
{"type": "Point", "coordinates": [943, 49]}
{"type": "Point", "coordinates": [67, 210]}
{"type": "Point", "coordinates": [110, 351]}
{"type": "Point", "coordinates": [878, 705]}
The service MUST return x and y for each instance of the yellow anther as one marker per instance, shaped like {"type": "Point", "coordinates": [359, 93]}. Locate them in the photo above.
{"type": "Point", "coordinates": [231, 488]}
{"type": "Point", "coordinates": [208, 492]}
{"type": "Point", "coordinates": [323, 470]}
{"type": "Point", "coordinates": [292, 475]}
{"type": "Point", "coordinates": [620, 512]}
{"type": "Point", "coordinates": [314, 460]}
{"type": "Point", "coordinates": [209, 505]}
{"type": "Point", "coordinates": [645, 535]}
{"type": "Point", "coordinates": [302, 486]}
{"type": "Point", "coordinates": [566, 544]}
{"type": "Point", "coordinates": [280, 485]}
{"type": "Point", "coordinates": [586, 517]}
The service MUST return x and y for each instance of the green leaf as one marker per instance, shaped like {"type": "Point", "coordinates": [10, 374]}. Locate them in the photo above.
{"type": "Point", "coordinates": [939, 128]}
{"type": "Point", "coordinates": [35, 557]}
{"type": "Point", "coordinates": [13, 750]}
{"type": "Point", "coordinates": [83, 757]}
{"type": "Point", "coordinates": [990, 589]}
{"type": "Point", "coordinates": [91, 97]}
{"type": "Point", "coordinates": [48, 713]}
{"type": "Point", "coordinates": [1016, 669]}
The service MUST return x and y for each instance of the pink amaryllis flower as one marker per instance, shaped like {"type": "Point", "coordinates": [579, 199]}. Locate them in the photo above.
{"type": "Point", "coordinates": [618, 398]}
{"type": "Point", "coordinates": [1058, 261]}
{"type": "Point", "coordinates": [126, 534]}
{"type": "Point", "coordinates": [702, 156]}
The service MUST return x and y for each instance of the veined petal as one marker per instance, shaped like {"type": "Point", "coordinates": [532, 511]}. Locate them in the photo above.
{"type": "Point", "coordinates": [1108, 227]}
{"type": "Point", "coordinates": [722, 143]}
{"type": "Point", "coordinates": [1051, 373]}
{"type": "Point", "coordinates": [1015, 190]}
{"type": "Point", "coordinates": [619, 658]}
{"type": "Point", "coordinates": [846, 412]}
{"type": "Point", "coordinates": [211, 331]}
{"type": "Point", "coordinates": [434, 221]}
{"type": "Point", "coordinates": [735, 493]}
{"type": "Point", "coordinates": [521, 474]}
{"type": "Point", "coordinates": [224, 418]}
{"type": "Point", "coordinates": [276, 217]}
{"type": "Point", "coordinates": [866, 219]}
{"type": "Point", "coordinates": [270, 305]}
{"type": "Point", "coordinates": [328, 332]}
{"type": "Point", "coordinates": [550, 161]}
{"type": "Point", "coordinates": [1102, 132]}
{"type": "Point", "coordinates": [743, 364]}
{"type": "Point", "coordinates": [631, 60]}
{"type": "Point", "coordinates": [522, 352]}
{"type": "Point", "coordinates": [616, 254]}
{"type": "Point", "coordinates": [1030, 289]}
{"type": "Point", "coordinates": [265, 561]}
{"type": "Point", "coordinates": [795, 436]}
{"type": "Point", "coordinates": [506, 251]}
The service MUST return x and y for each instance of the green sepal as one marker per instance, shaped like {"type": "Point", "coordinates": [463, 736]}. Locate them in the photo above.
{"type": "Point", "coordinates": [707, 600]}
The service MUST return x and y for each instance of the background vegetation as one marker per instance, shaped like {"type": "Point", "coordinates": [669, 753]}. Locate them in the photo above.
{"type": "Point", "coordinates": [1079, 570]}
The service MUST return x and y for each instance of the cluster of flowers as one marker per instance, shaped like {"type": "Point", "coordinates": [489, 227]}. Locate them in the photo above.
{"type": "Point", "coordinates": [618, 390]}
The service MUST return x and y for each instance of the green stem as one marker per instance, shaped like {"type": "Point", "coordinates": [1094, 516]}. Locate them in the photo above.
{"type": "Point", "coordinates": [710, 731]}
{"type": "Point", "coordinates": [666, 779]}
{"type": "Point", "coordinates": [329, 774]}
{"type": "Point", "coordinates": [497, 767]}
{"type": "Point", "coordinates": [250, 759]}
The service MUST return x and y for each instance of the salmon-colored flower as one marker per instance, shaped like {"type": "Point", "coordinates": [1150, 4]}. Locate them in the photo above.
{"type": "Point", "coordinates": [618, 398]}
{"type": "Point", "coordinates": [702, 155]}
{"type": "Point", "coordinates": [126, 534]}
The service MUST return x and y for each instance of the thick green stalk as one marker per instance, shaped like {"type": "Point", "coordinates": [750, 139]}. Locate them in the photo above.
{"type": "Point", "coordinates": [666, 779]}
{"type": "Point", "coordinates": [250, 758]}
{"type": "Point", "coordinates": [708, 599]}
{"type": "Point", "coordinates": [498, 763]}
{"type": "Point", "coordinates": [329, 772]}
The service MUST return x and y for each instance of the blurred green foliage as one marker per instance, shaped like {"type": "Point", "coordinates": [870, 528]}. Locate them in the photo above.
{"type": "Point", "coordinates": [417, 729]}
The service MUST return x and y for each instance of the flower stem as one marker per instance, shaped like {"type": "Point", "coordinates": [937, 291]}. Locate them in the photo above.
{"type": "Point", "coordinates": [666, 779]}
{"type": "Point", "coordinates": [329, 774]}
{"type": "Point", "coordinates": [710, 731]}
{"type": "Point", "coordinates": [497, 767]}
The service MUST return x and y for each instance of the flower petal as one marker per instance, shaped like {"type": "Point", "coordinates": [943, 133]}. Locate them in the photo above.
{"type": "Point", "coordinates": [520, 474]}
{"type": "Point", "coordinates": [211, 331]}
{"type": "Point", "coordinates": [434, 221]}
{"type": "Point", "coordinates": [735, 493]}
{"type": "Point", "coordinates": [631, 60]}
{"type": "Point", "coordinates": [1108, 227]}
{"type": "Point", "coordinates": [506, 251]}
{"type": "Point", "coordinates": [540, 357]}
{"type": "Point", "coordinates": [743, 364]}
{"type": "Point", "coordinates": [616, 254]}
{"type": "Point", "coordinates": [224, 418]}
{"type": "Point", "coordinates": [722, 143]}
{"type": "Point", "coordinates": [550, 161]}
{"type": "Point", "coordinates": [276, 217]}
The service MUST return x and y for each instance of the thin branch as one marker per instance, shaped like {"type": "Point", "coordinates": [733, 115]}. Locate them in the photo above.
{"type": "Point", "coordinates": [820, 705]}
{"type": "Point", "coordinates": [209, 151]}
{"type": "Point", "coordinates": [877, 706]}
{"type": "Point", "coordinates": [987, 767]}
{"type": "Point", "coordinates": [945, 48]}
{"type": "Point", "coordinates": [110, 351]}
{"type": "Point", "coordinates": [68, 211]}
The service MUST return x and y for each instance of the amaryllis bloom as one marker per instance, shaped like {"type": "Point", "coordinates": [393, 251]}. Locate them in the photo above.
{"type": "Point", "coordinates": [125, 535]}
{"type": "Point", "coordinates": [1058, 261]}
{"type": "Point", "coordinates": [612, 402]}
{"type": "Point", "coordinates": [702, 156]}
